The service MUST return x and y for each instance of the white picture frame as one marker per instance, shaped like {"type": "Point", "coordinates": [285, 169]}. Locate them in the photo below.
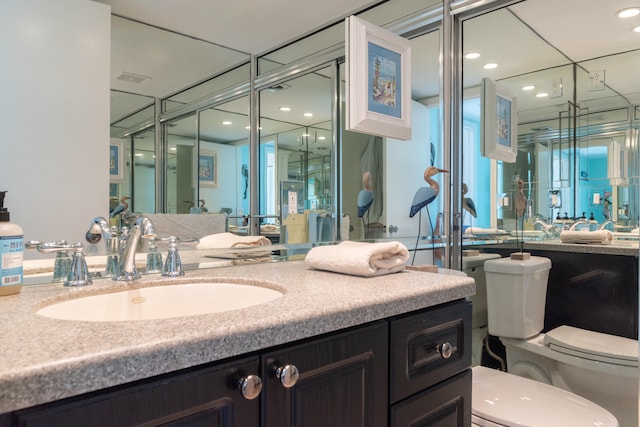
{"type": "Point", "coordinates": [207, 168]}
{"type": "Point", "coordinates": [116, 162]}
{"type": "Point", "coordinates": [498, 116]}
{"type": "Point", "coordinates": [378, 81]}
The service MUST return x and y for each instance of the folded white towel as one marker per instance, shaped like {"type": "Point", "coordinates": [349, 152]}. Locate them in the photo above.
{"type": "Point", "coordinates": [601, 237]}
{"type": "Point", "coordinates": [359, 258]}
{"type": "Point", "coordinates": [484, 231]}
{"type": "Point", "coordinates": [230, 240]}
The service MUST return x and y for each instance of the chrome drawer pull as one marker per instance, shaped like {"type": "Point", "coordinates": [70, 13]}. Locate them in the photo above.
{"type": "Point", "coordinates": [288, 375]}
{"type": "Point", "coordinates": [250, 386]}
{"type": "Point", "coordinates": [444, 349]}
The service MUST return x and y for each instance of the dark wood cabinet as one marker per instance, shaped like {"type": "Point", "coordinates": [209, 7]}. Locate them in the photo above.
{"type": "Point", "coordinates": [411, 370]}
{"type": "Point", "coordinates": [207, 396]}
{"type": "Point", "coordinates": [342, 382]}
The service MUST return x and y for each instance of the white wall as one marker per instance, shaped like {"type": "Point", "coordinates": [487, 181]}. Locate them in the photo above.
{"type": "Point", "coordinates": [54, 115]}
{"type": "Point", "coordinates": [405, 163]}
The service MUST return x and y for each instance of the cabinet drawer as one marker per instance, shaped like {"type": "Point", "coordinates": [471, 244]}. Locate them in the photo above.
{"type": "Point", "coordinates": [447, 404]}
{"type": "Point", "coordinates": [429, 347]}
{"type": "Point", "coordinates": [206, 396]}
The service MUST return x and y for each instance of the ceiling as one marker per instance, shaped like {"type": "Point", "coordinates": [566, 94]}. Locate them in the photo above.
{"type": "Point", "coordinates": [532, 41]}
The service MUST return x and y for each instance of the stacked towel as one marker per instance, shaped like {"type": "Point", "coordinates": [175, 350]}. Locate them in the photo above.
{"type": "Point", "coordinates": [600, 237]}
{"type": "Point", "coordinates": [359, 258]}
{"type": "Point", "coordinates": [230, 240]}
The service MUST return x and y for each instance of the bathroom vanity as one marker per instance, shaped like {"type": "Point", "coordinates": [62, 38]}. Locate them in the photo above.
{"type": "Point", "coordinates": [389, 350]}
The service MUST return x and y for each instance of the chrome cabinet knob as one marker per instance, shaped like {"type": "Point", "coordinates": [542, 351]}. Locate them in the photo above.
{"type": "Point", "coordinates": [288, 375]}
{"type": "Point", "coordinates": [250, 386]}
{"type": "Point", "coordinates": [444, 349]}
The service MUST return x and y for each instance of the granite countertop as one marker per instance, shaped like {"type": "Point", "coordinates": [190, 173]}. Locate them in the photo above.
{"type": "Point", "coordinates": [617, 247]}
{"type": "Point", "coordinates": [45, 359]}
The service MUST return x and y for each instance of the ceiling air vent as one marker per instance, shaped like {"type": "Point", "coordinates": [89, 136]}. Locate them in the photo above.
{"type": "Point", "coordinates": [132, 78]}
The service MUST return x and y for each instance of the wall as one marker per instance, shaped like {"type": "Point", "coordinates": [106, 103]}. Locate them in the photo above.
{"type": "Point", "coordinates": [55, 115]}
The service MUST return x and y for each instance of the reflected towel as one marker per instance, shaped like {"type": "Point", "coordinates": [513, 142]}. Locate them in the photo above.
{"type": "Point", "coordinates": [230, 240]}
{"type": "Point", "coordinates": [359, 258]}
{"type": "Point", "coordinates": [484, 231]}
{"type": "Point", "coordinates": [601, 237]}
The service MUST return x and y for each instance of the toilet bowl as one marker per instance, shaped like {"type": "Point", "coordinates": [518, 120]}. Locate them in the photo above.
{"type": "Point", "coordinates": [502, 399]}
{"type": "Point", "coordinates": [599, 367]}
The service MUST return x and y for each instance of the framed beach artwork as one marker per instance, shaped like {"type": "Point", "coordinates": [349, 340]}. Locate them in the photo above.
{"type": "Point", "coordinates": [498, 115]}
{"type": "Point", "coordinates": [378, 80]}
{"type": "Point", "coordinates": [208, 169]}
{"type": "Point", "coordinates": [116, 162]}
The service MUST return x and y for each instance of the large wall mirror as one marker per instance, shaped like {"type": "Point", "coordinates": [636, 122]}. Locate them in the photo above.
{"type": "Point", "coordinates": [577, 126]}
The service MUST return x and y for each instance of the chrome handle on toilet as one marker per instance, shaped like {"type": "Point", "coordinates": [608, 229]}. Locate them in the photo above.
{"type": "Point", "coordinates": [444, 349]}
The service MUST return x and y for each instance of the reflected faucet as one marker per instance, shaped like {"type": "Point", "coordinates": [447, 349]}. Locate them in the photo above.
{"type": "Point", "coordinates": [577, 223]}
{"type": "Point", "coordinates": [604, 224]}
{"type": "Point", "coordinates": [549, 230]}
{"type": "Point", "coordinates": [141, 228]}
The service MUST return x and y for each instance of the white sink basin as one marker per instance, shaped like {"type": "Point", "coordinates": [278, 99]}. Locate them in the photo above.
{"type": "Point", "coordinates": [161, 302]}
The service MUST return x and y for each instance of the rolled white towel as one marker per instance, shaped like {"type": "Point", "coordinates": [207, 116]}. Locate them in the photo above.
{"type": "Point", "coordinates": [600, 237]}
{"type": "Point", "coordinates": [230, 240]}
{"type": "Point", "coordinates": [359, 258]}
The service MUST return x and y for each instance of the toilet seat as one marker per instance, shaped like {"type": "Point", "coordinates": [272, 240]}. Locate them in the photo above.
{"type": "Point", "coordinates": [501, 399]}
{"type": "Point", "coordinates": [593, 345]}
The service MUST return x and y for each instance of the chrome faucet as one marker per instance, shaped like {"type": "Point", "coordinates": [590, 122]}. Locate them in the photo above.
{"type": "Point", "coordinates": [604, 224]}
{"type": "Point", "coordinates": [141, 228]}
{"type": "Point", "coordinates": [549, 230]}
{"type": "Point", "coordinates": [99, 229]}
{"type": "Point", "coordinates": [577, 223]}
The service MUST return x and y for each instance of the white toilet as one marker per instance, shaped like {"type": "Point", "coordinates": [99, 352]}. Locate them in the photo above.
{"type": "Point", "coordinates": [473, 266]}
{"type": "Point", "coordinates": [502, 399]}
{"type": "Point", "coordinates": [602, 368]}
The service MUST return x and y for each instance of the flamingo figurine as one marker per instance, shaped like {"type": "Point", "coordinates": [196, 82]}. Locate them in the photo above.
{"type": "Point", "coordinates": [426, 195]}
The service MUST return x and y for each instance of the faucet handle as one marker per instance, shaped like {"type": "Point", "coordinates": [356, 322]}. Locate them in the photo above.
{"type": "Point", "coordinates": [172, 264]}
{"type": "Point", "coordinates": [79, 272]}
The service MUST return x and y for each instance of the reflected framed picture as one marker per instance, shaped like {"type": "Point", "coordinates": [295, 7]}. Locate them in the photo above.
{"type": "Point", "coordinates": [378, 80]}
{"type": "Point", "coordinates": [208, 169]}
{"type": "Point", "coordinates": [498, 115]}
{"type": "Point", "coordinates": [116, 162]}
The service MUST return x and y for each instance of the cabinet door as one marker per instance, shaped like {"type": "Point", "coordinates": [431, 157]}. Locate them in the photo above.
{"type": "Point", "coordinates": [342, 382]}
{"type": "Point", "coordinates": [204, 396]}
{"type": "Point", "coordinates": [447, 404]}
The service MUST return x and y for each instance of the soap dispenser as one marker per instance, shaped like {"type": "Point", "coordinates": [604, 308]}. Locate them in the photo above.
{"type": "Point", "coordinates": [11, 248]}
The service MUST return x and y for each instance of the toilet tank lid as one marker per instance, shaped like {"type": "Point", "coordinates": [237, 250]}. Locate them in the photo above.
{"type": "Point", "coordinates": [477, 260]}
{"type": "Point", "coordinates": [593, 345]}
{"type": "Point", "coordinates": [512, 266]}
{"type": "Point", "coordinates": [507, 399]}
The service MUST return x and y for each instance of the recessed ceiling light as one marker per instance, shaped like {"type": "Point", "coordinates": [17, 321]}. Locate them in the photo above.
{"type": "Point", "coordinates": [138, 154]}
{"type": "Point", "coordinates": [322, 138]}
{"type": "Point", "coordinates": [542, 95]}
{"type": "Point", "coordinates": [226, 122]}
{"type": "Point", "coordinates": [637, 29]}
{"type": "Point", "coordinates": [285, 108]}
{"type": "Point", "coordinates": [305, 134]}
{"type": "Point", "coordinates": [172, 149]}
{"type": "Point", "coordinates": [528, 87]}
{"type": "Point", "coordinates": [308, 114]}
{"type": "Point", "coordinates": [629, 12]}
{"type": "Point", "coordinates": [490, 66]}
{"type": "Point", "coordinates": [472, 55]}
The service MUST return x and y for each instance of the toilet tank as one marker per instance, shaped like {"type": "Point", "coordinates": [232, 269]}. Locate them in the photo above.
{"type": "Point", "coordinates": [516, 296]}
{"type": "Point", "coordinates": [473, 266]}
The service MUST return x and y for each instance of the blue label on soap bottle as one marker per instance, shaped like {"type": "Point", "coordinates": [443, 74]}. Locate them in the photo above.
{"type": "Point", "coordinates": [11, 253]}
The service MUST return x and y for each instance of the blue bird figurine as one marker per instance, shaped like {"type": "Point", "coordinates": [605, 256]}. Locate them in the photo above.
{"type": "Point", "coordinates": [365, 197]}
{"type": "Point", "coordinates": [426, 195]}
